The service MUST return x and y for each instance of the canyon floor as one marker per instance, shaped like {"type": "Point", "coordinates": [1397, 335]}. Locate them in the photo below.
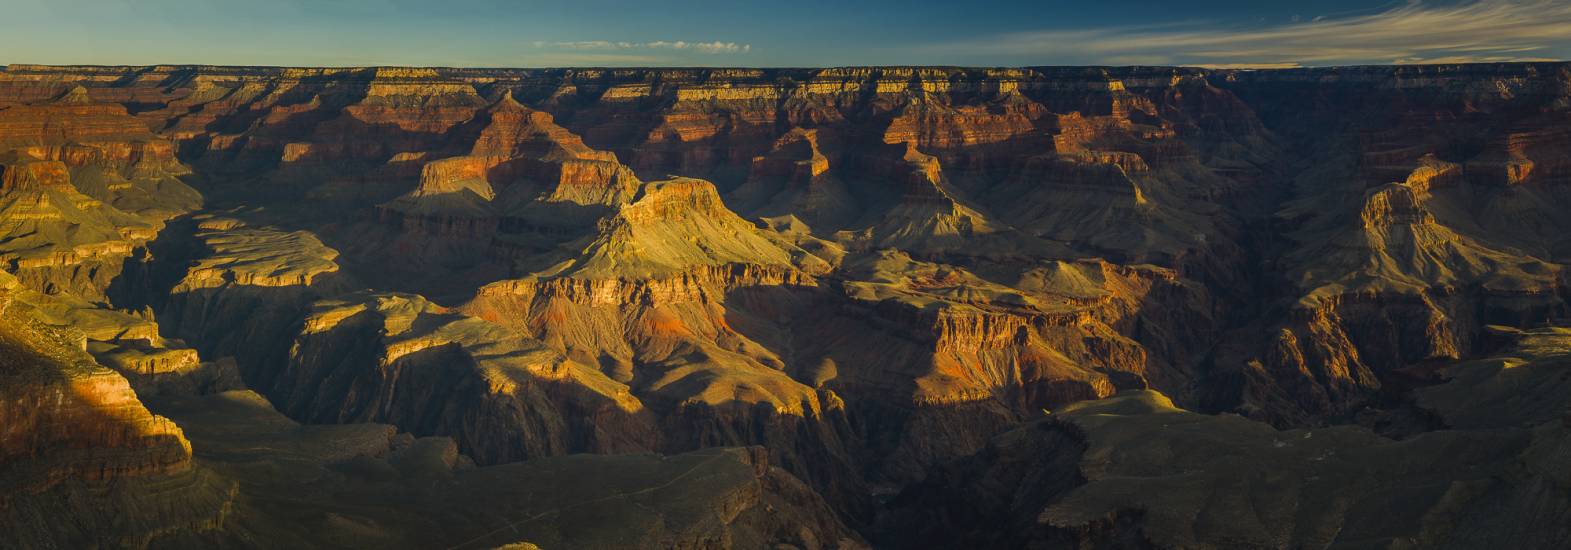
{"type": "Point", "coordinates": [897, 307]}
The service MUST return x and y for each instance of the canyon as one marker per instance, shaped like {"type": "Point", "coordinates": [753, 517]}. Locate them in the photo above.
{"type": "Point", "coordinates": [868, 307]}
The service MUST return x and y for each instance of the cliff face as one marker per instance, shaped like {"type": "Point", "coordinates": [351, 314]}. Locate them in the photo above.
{"type": "Point", "coordinates": [870, 272]}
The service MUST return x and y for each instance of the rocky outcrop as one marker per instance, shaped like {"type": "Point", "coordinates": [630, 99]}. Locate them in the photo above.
{"type": "Point", "coordinates": [673, 226]}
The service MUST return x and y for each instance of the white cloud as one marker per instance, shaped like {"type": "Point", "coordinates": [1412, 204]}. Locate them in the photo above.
{"type": "Point", "coordinates": [1470, 31]}
{"type": "Point", "coordinates": [716, 47]}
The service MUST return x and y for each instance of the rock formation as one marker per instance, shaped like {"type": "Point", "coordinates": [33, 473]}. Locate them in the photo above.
{"type": "Point", "coordinates": [1051, 306]}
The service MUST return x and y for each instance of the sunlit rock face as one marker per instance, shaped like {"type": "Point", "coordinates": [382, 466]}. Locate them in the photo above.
{"type": "Point", "coordinates": [819, 308]}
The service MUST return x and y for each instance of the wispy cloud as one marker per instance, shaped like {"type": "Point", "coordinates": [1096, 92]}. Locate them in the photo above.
{"type": "Point", "coordinates": [716, 47]}
{"type": "Point", "coordinates": [1412, 32]}
{"type": "Point", "coordinates": [1246, 65]}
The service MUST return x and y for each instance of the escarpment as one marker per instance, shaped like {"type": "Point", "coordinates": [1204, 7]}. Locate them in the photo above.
{"type": "Point", "coordinates": [964, 307]}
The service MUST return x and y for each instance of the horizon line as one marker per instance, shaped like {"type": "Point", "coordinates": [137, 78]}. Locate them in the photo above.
{"type": "Point", "coordinates": [8, 67]}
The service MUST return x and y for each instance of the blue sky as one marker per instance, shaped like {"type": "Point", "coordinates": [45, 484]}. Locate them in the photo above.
{"type": "Point", "coordinates": [788, 33]}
